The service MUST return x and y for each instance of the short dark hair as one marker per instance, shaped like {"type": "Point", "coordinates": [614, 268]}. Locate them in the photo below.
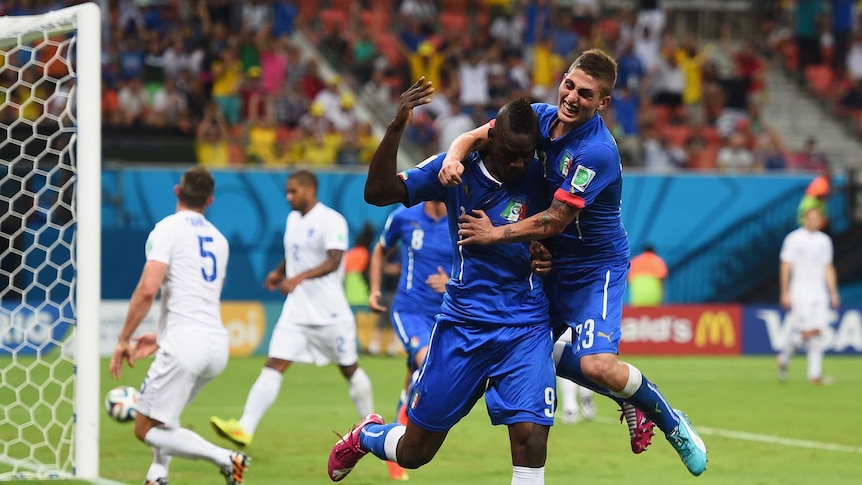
{"type": "Point", "coordinates": [599, 65]}
{"type": "Point", "coordinates": [518, 117]}
{"type": "Point", "coordinates": [196, 187]}
{"type": "Point", "coordinates": [304, 178]}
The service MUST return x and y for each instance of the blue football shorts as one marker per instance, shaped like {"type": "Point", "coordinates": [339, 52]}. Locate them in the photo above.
{"type": "Point", "coordinates": [512, 366]}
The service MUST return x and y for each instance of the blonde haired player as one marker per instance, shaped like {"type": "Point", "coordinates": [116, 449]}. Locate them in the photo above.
{"type": "Point", "coordinates": [187, 258]}
{"type": "Point", "coordinates": [808, 288]}
{"type": "Point", "coordinates": [316, 325]}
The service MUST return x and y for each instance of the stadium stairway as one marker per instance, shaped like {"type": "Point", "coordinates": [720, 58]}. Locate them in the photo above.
{"type": "Point", "coordinates": [798, 114]}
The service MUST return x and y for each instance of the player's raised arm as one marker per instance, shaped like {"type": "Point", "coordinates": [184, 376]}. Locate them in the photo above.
{"type": "Point", "coordinates": [383, 186]}
{"type": "Point", "coordinates": [475, 139]}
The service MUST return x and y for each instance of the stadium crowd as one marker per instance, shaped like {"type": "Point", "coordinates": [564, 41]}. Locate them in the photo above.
{"type": "Point", "coordinates": [232, 75]}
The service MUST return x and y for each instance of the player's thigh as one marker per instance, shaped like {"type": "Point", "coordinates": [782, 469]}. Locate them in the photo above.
{"type": "Point", "coordinates": [522, 384]}
{"type": "Point", "coordinates": [167, 388]}
{"type": "Point", "coordinates": [414, 331]}
{"type": "Point", "coordinates": [289, 341]}
{"type": "Point", "coordinates": [810, 314]}
{"type": "Point", "coordinates": [597, 321]}
{"type": "Point", "coordinates": [334, 343]}
{"type": "Point", "coordinates": [453, 376]}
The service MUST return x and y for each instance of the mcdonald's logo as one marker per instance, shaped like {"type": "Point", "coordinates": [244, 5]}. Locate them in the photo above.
{"type": "Point", "coordinates": [714, 328]}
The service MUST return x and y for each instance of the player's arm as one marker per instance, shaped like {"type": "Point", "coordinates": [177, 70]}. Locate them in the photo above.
{"type": "Point", "coordinates": [375, 278]}
{"type": "Point", "coordinates": [784, 283]}
{"type": "Point", "coordinates": [276, 276]}
{"type": "Point", "coordinates": [140, 304]}
{"type": "Point", "coordinates": [330, 264]}
{"type": "Point", "coordinates": [383, 185]}
{"type": "Point", "coordinates": [476, 228]}
{"type": "Point", "coordinates": [832, 284]}
{"type": "Point", "coordinates": [475, 139]}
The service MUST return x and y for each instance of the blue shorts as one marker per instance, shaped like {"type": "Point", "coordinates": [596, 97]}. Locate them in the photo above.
{"type": "Point", "coordinates": [512, 366]}
{"type": "Point", "coordinates": [414, 330]}
{"type": "Point", "coordinates": [590, 300]}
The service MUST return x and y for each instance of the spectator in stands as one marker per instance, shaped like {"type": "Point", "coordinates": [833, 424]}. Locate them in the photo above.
{"type": "Point", "coordinates": [842, 28]}
{"type": "Point", "coordinates": [330, 97]}
{"type": "Point", "coordinates": [212, 139]}
{"type": "Point", "coordinates": [548, 66]}
{"type": "Point", "coordinates": [283, 17]}
{"type": "Point", "coordinates": [288, 106]}
{"type": "Point", "coordinates": [807, 32]}
{"type": "Point", "coordinates": [626, 112]}
{"type": "Point", "coordinates": [691, 61]}
{"type": "Point", "coordinates": [451, 124]}
{"type": "Point", "coordinates": [364, 54]}
{"type": "Point", "coordinates": [256, 15]}
{"type": "Point", "coordinates": [367, 140]}
{"type": "Point", "coordinates": [647, 36]}
{"type": "Point", "coordinates": [667, 81]}
{"type": "Point", "coordinates": [809, 158]}
{"type": "Point", "coordinates": [630, 69]}
{"type": "Point", "coordinates": [646, 279]}
{"type": "Point", "coordinates": [311, 82]}
{"type": "Point", "coordinates": [658, 155]}
{"type": "Point", "coordinates": [473, 79]}
{"type": "Point", "coordinates": [227, 73]}
{"type": "Point", "coordinates": [169, 105]}
{"type": "Point", "coordinates": [854, 58]}
{"type": "Point", "coordinates": [734, 156]}
{"type": "Point", "coordinates": [261, 139]}
{"type": "Point", "coordinates": [273, 63]}
{"type": "Point", "coordinates": [134, 104]}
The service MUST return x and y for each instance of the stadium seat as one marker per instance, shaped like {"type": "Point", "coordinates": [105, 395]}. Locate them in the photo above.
{"type": "Point", "coordinates": [377, 19]}
{"type": "Point", "coordinates": [308, 10]}
{"type": "Point", "coordinates": [453, 22]}
{"type": "Point", "coordinates": [332, 20]}
{"type": "Point", "coordinates": [453, 6]}
{"type": "Point", "coordinates": [820, 79]}
{"type": "Point", "coordinates": [676, 135]}
{"type": "Point", "coordinates": [386, 44]}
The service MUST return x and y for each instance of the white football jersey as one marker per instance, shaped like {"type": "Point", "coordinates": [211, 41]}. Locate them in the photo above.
{"type": "Point", "coordinates": [196, 254]}
{"type": "Point", "coordinates": [307, 239]}
{"type": "Point", "coordinates": [808, 254]}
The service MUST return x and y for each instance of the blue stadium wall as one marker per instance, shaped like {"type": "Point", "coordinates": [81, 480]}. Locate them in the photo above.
{"type": "Point", "coordinates": [674, 213]}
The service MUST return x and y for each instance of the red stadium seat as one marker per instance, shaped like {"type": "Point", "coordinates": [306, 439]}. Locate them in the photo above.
{"type": "Point", "coordinates": [820, 79]}
{"type": "Point", "coordinates": [332, 20]}
{"type": "Point", "coordinates": [676, 135]}
{"type": "Point", "coordinates": [386, 44]}
{"type": "Point", "coordinates": [453, 22]}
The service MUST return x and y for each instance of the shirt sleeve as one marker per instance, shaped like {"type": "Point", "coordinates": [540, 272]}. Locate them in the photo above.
{"type": "Point", "coordinates": [159, 244]}
{"type": "Point", "coordinates": [391, 230]}
{"type": "Point", "coordinates": [336, 234]}
{"type": "Point", "coordinates": [422, 182]}
{"type": "Point", "coordinates": [596, 167]}
{"type": "Point", "coordinates": [786, 254]}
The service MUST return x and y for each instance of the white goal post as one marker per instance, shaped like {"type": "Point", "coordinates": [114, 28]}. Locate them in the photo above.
{"type": "Point", "coordinates": [50, 248]}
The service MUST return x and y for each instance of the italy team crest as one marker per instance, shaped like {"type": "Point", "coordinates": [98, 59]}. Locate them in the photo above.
{"type": "Point", "coordinates": [566, 163]}
{"type": "Point", "coordinates": [515, 210]}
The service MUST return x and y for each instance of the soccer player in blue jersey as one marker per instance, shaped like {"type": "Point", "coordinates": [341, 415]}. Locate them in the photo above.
{"type": "Point", "coordinates": [492, 336]}
{"type": "Point", "coordinates": [426, 248]}
{"type": "Point", "coordinates": [588, 241]}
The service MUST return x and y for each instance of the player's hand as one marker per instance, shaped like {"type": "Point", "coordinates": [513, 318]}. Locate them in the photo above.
{"type": "Point", "coordinates": [437, 281]}
{"type": "Point", "coordinates": [123, 351]}
{"type": "Point", "coordinates": [416, 95]}
{"type": "Point", "coordinates": [785, 301]}
{"type": "Point", "coordinates": [450, 174]}
{"type": "Point", "coordinates": [835, 299]}
{"type": "Point", "coordinates": [540, 258]}
{"type": "Point", "coordinates": [145, 345]}
{"type": "Point", "coordinates": [289, 284]}
{"type": "Point", "coordinates": [475, 228]}
{"type": "Point", "coordinates": [273, 280]}
{"type": "Point", "coordinates": [374, 302]}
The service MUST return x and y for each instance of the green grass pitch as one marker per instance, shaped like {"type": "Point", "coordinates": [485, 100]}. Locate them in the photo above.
{"type": "Point", "coordinates": [758, 431]}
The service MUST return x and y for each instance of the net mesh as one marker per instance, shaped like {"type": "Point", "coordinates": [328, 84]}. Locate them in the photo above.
{"type": "Point", "coordinates": [37, 237]}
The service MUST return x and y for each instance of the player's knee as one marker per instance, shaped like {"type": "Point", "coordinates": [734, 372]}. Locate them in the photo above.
{"type": "Point", "coordinates": [597, 367]}
{"type": "Point", "coordinates": [529, 445]}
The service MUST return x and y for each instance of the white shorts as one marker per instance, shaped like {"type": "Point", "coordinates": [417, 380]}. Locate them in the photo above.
{"type": "Point", "coordinates": [315, 344]}
{"type": "Point", "coordinates": [809, 314]}
{"type": "Point", "coordinates": [182, 367]}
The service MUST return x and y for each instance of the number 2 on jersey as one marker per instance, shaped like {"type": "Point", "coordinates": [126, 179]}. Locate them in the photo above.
{"type": "Point", "coordinates": [209, 277]}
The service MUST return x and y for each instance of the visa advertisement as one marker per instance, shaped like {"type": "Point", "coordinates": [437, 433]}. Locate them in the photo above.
{"type": "Point", "coordinates": [728, 330]}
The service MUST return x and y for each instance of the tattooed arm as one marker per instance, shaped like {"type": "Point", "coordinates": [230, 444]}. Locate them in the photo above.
{"type": "Point", "coordinates": [476, 228]}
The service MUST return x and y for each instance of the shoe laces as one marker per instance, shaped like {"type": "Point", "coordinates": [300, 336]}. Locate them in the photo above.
{"type": "Point", "coordinates": [351, 440]}
{"type": "Point", "coordinates": [681, 443]}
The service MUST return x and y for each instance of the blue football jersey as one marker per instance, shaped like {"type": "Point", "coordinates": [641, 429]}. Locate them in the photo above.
{"type": "Point", "coordinates": [583, 169]}
{"type": "Point", "coordinates": [489, 284]}
{"type": "Point", "coordinates": [425, 246]}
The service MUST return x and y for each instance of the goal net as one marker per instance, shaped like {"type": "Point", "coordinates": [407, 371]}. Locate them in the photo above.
{"type": "Point", "coordinates": [50, 206]}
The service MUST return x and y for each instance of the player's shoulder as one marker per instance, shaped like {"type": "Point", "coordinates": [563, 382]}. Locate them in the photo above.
{"type": "Point", "coordinates": [327, 215]}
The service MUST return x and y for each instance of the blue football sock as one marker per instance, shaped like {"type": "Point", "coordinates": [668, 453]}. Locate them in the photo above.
{"type": "Point", "coordinates": [648, 399]}
{"type": "Point", "coordinates": [373, 438]}
{"type": "Point", "coordinates": [569, 368]}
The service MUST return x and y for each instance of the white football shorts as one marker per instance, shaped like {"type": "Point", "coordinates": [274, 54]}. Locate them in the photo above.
{"type": "Point", "coordinates": [184, 364]}
{"type": "Point", "coordinates": [315, 344]}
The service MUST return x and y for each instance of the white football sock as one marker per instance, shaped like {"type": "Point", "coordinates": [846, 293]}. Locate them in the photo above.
{"type": "Point", "coordinates": [159, 467]}
{"type": "Point", "coordinates": [815, 357]}
{"type": "Point", "coordinates": [360, 392]}
{"type": "Point", "coordinates": [263, 393]}
{"type": "Point", "coordinates": [390, 445]}
{"type": "Point", "coordinates": [566, 395]}
{"type": "Point", "coordinates": [186, 444]}
{"type": "Point", "coordinates": [522, 475]}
